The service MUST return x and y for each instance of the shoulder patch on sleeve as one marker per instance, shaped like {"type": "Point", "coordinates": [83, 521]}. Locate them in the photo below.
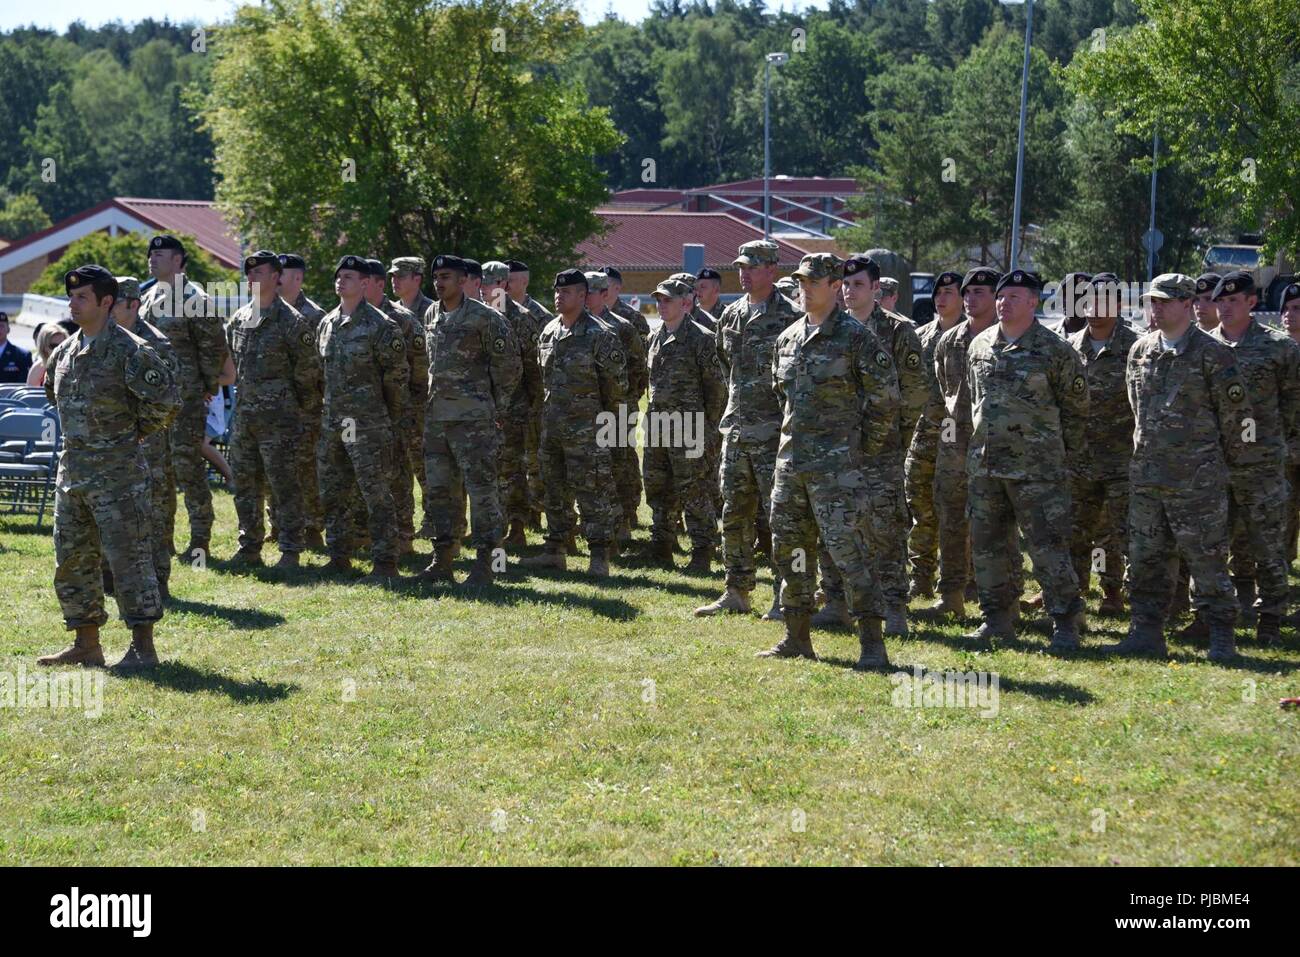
{"type": "Point", "coordinates": [499, 345]}
{"type": "Point", "coordinates": [913, 360]}
{"type": "Point", "coordinates": [882, 358]}
{"type": "Point", "coordinates": [397, 344]}
{"type": "Point", "coordinates": [153, 376]}
{"type": "Point", "coordinates": [1236, 392]}
{"type": "Point", "coordinates": [307, 337]}
{"type": "Point", "coordinates": [1079, 385]}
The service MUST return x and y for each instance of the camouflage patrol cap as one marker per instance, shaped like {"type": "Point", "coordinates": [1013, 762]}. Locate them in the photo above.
{"type": "Point", "coordinates": [888, 285]}
{"type": "Point", "coordinates": [820, 266]}
{"type": "Point", "coordinates": [128, 287]}
{"type": "Point", "coordinates": [1103, 279]}
{"type": "Point", "coordinates": [89, 275]}
{"type": "Point", "coordinates": [1206, 282]}
{"type": "Point", "coordinates": [292, 261]}
{"type": "Point", "coordinates": [685, 277]}
{"type": "Point", "coordinates": [1234, 282]}
{"type": "Point", "coordinates": [1020, 278]}
{"type": "Point", "coordinates": [260, 258]}
{"type": "Point", "coordinates": [1292, 291]}
{"type": "Point", "coordinates": [672, 288]}
{"type": "Point", "coordinates": [597, 281]}
{"type": "Point", "coordinates": [787, 282]}
{"type": "Point", "coordinates": [1171, 285]}
{"type": "Point", "coordinates": [494, 270]}
{"type": "Point", "coordinates": [759, 252]}
{"type": "Point", "coordinates": [980, 276]}
{"type": "Point", "coordinates": [407, 266]}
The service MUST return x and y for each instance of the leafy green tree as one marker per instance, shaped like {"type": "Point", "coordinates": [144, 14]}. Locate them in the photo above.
{"type": "Point", "coordinates": [399, 126]}
{"type": "Point", "coordinates": [126, 254]}
{"type": "Point", "coordinates": [21, 214]}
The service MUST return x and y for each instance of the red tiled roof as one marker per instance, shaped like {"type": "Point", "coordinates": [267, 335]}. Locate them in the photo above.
{"type": "Point", "coordinates": [198, 218]}
{"type": "Point", "coordinates": [653, 241]}
{"type": "Point", "coordinates": [650, 198]}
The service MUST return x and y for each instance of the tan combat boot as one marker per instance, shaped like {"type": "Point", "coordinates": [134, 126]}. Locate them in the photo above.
{"type": "Point", "coordinates": [871, 643]}
{"type": "Point", "coordinates": [480, 573]}
{"type": "Point", "coordinates": [701, 562]}
{"type": "Point", "coordinates": [141, 655]}
{"type": "Point", "coordinates": [439, 569]}
{"type": "Point", "coordinates": [313, 539]}
{"type": "Point", "coordinates": [774, 613]}
{"type": "Point", "coordinates": [552, 557]}
{"type": "Point", "coordinates": [339, 565]}
{"type": "Point", "coordinates": [384, 572]}
{"type": "Point", "coordinates": [896, 620]}
{"type": "Point", "coordinates": [515, 538]}
{"type": "Point", "coordinates": [797, 643]}
{"type": "Point", "coordinates": [733, 601]}
{"type": "Point", "coordinates": [84, 650]}
{"type": "Point", "coordinates": [834, 614]}
{"type": "Point", "coordinates": [661, 553]}
{"type": "Point", "coordinates": [952, 603]}
{"type": "Point", "coordinates": [288, 560]}
{"type": "Point", "coordinates": [598, 565]}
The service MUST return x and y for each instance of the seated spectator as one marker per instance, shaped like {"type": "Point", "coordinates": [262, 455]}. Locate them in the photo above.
{"type": "Point", "coordinates": [15, 362]}
{"type": "Point", "coordinates": [48, 336]}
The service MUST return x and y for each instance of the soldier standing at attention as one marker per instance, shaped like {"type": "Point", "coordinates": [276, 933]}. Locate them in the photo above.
{"type": "Point", "coordinates": [1290, 306]}
{"type": "Point", "coordinates": [517, 285]}
{"type": "Point", "coordinates": [923, 542]}
{"type": "Point", "coordinates": [474, 370]}
{"type": "Point", "coordinates": [292, 273]}
{"type": "Point", "coordinates": [708, 292]}
{"type": "Point", "coordinates": [583, 375]}
{"type": "Point", "coordinates": [1204, 306]}
{"type": "Point", "coordinates": [885, 503]}
{"type": "Point", "coordinates": [687, 394]}
{"type": "Point", "coordinates": [524, 406]}
{"type": "Point", "coordinates": [839, 395]}
{"type": "Point", "coordinates": [363, 360]}
{"type": "Point", "coordinates": [950, 481]}
{"type": "Point", "coordinates": [1029, 413]}
{"type": "Point", "coordinates": [1099, 475]}
{"type": "Point", "coordinates": [157, 454]}
{"type": "Point", "coordinates": [407, 277]}
{"type": "Point", "coordinates": [180, 311]}
{"type": "Point", "coordinates": [111, 389]}
{"type": "Point", "coordinates": [277, 383]}
{"type": "Point", "coordinates": [617, 306]}
{"type": "Point", "coordinates": [1189, 404]}
{"type": "Point", "coordinates": [751, 423]}
{"type": "Point", "coordinates": [473, 288]}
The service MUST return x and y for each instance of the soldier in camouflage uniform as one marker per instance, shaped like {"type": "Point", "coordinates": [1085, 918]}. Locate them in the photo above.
{"type": "Point", "coordinates": [111, 390]}
{"type": "Point", "coordinates": [474, 372]}
{"type": "Point", "coordinates": [292, 273]}
{"type": "Point", "coordinates": [1189, 403]}
{"type": "Point", "coordinates": [584, 375]}
{"type": "Point", "coordinates": [627, 471]}
{"type": "Point", "coordinates": [157, 453]}
{"type": "Point", "coordinates": [885, 504]}
{"type": "Point", "coordinates": [751, 423]}
{"type": "Point", "coordinates": [1269, 363]}
{"type": "Point", "coordinates": [277, 388]}
{"type": "Point", "coordinates": [923, 542]}
{"type": "Point", "coordinates": [525, 404]}
{"type": "Point", "coordinates": [1029, 415]}
{"type": "Point", "coordinates": [406, 274]}
{"type": "Point", "coordinates": [839, 394]}
{"type": "Point", "coordinates": [197, 335]}
{"type": "Point", "coordinates": [950, 480]}
{"type": "Point", "coordinates": [517, 285]}
{"type": "Point", "coordinates": [709, 321]}
{"type": "Point", "coordinates": [1204, 306]}
{"type": "Point", "coordinates": [364, 364]}
{"type": "Point", "coordinates": [696, 313]}
{"type": "Point", "coordinates": [1099, 476]}
{"type": "Point", "coordinates": [708, 293]}
{"type": "Point", "coordinates": [1290, 306]}
{"type": "Point", "coordinates": [617, 306]}
{"type": "Point", "coordinates": [687, 395]}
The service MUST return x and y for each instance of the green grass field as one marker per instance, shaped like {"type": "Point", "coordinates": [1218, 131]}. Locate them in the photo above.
{"type": "Point", "coordinates": [299, 721]}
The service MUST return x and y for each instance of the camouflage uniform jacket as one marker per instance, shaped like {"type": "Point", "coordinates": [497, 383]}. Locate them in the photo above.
{"type": "Point", "coordinates": [199, 339]}
{"type": "Point", "coordinates": [633, 350]}
{"type": "Point", "coordinates": [1269, 362]}
{"type": "Point", "coordinates": [898, 335]}
{"type": "Point", "coordinates": [363, 361]}
{"type": "Point", "coordinates": [1110, 419]}
{"type": "Point", "coordinates": [416, 357]}
{"type": "Point", "coordinates": [474, 366]}
{"type": "Point", "coordinates": [620, 308]}
{"type": "Point", "coordinates": [584, 373]}
{"type": "Point", "coordinates": [698, 315]}
{"type": "Point", "coordinates": [276, 366]}
{"type": "Point", "coordinates": [684, 372]}
{"type": "Point", "coordinates": [538, 311]}
{"type": "Point", "coordinates": [744, 344]}
{"type": "Point", "coordinates": [527, 400]}
{"type": "Point", "coordinates": [309, 309]}
{"type": "Point", "coordinates": [950, 370]}
{"type": "Point", "coordinates": [925, 438]}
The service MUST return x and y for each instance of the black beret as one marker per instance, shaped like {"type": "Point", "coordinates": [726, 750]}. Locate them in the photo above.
{"type": "Point", "coordinates": [473, 267]}
{"type": "Point", "coordinates": [1290, 292]}
{"type": "Point", "coordinates": [516, 266]}
{"type": "Point", "coordinates": [375, 268]}
{"type": "Point", "coordinates": [571, 277]}
{"type": "Point", "coordinates": [1104, 279]}
{"type": "Point", "coordinates": [448, 262]}
{"type": "Point", "coordinates": [1233, 282]}
{"type": "Point", "coordinates": [292, 261]}
{"type": "Point", "coordinates": [613, 273]}
{"type": "Point", "coordinates": [166, 242]}
{"type": "Point", "coordinates": [253, 260]}
{"type": "Point", "coordinates": [1022, 278]}
{"type": "Point", "coordinates": [981, 277]}
{"type": "Point", "coordinates": [1075, 281]}
{"type": "Point", "coordinates": [860, 263]}
{"type": "Point", "coordinates": [355, 263]}
{"type": "Point", "coordinates": [88, 275]}
{"type": "Point", "coordinates": [705, 273]}
{"type": "Point", "coordinates": [1206, 281]}
{"type": "Point", "coordinates": [947, 279]}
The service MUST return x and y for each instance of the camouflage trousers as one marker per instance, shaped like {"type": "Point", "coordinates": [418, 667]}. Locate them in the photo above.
{"type": "Point", "coordinates": [1166, 524]}
{"type": "Point", "coordinates": [676, 483]}
{"type": "Point", "coordinates": [627, 477]}
{"type": "Point", "coordinates": [362, 465]}
{"type": "Point", "coordinates": [884, 509]}
{"type": "Point", "coordinates": [312, 511]}
{"type": "Point", "coordinates": [403, 479]}
{"type": "Point", "coordinates": [460, 458]}
{"type": "Point", "coordinates": [513, 466]}
{"type": "Point", "coordinates": [162, 503]}
{"type": "Point", "coordinates": [191, 469]}
{"type": "Point", "coordinates": [533, 462]}
{"type": "Point", "coordinates": [1257, 519]}
{"type": "Point", "coordinates": [950, 493]}
{"type": "Point", "coordinates": [713, 455]}
{"type": "Point", "coordinates": [1292, 511]}
{"type": "Point", "coordinates": [826, 504]}
{"type": "Point", "coordinates": [112, 519]}
{"type": "Point", "coordinates": [576, 466]}
{"type": "Point", "coordinates": [923, 539]}
{"type": "Point", "coordinates": [1099, 540]}
{"type": "Point", "coordinates": [995, 507]}
{"type": "Point", "coordinates": [264, 452]}
{"type": "Point", "coordinates": [746, 475]}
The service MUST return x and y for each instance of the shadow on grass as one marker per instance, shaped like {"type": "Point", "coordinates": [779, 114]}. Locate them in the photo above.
{"type": "Point", "coordinates": [179, 676]}
{"type": "Point", "coordinates": [511, 591]}
{"type": "Point", "coordinates": [253, 619]}
{"type": "Point", "coordinates": [1044, 690]}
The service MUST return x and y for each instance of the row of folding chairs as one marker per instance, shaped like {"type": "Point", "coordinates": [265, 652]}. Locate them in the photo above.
{"type": "Point", "coordinates": [29, 445]}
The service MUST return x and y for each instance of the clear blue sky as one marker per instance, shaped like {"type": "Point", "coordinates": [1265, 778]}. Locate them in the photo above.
{"type": "Point", "coordinates": [57, 14]}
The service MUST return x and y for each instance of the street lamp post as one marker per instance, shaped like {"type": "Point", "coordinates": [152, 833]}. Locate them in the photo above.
{"type": "Point", "coordinates": [1020, 141]}
{"type": "Point", "coordinates": [778, 59]}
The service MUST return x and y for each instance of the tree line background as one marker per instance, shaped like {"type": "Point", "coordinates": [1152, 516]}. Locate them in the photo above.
{"type": "Point", "coordinates": [492, 127]}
